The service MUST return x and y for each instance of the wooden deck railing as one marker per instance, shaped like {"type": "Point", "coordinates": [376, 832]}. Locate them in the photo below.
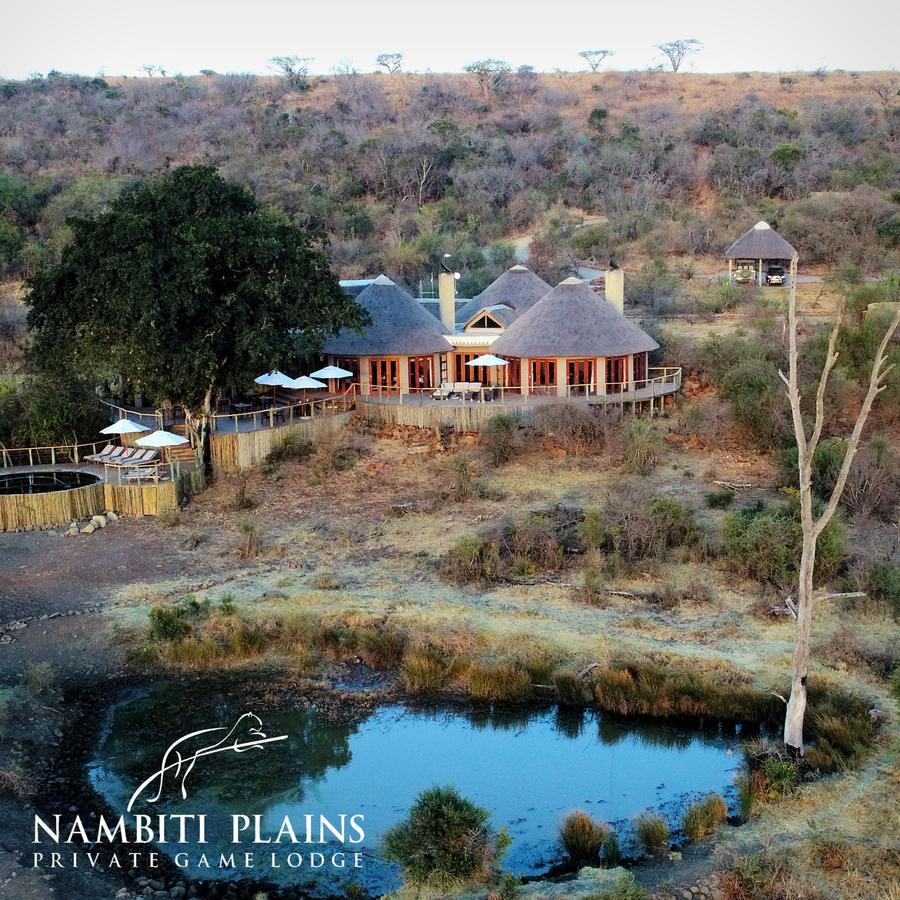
{"type": "Point", "coordinates": [253, 420]}
{"type": "Point", "coordinates": [666, 380]}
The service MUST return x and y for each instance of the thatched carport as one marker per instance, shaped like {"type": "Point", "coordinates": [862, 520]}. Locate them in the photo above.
{"type": "Point", "coordinates": [760, 246]}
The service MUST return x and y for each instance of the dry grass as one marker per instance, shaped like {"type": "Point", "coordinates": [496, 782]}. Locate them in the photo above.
{"type": "Point", "coordinates": [501, 682]}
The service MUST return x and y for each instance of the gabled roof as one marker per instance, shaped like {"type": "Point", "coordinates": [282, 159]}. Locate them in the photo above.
{"type": "Point", "coordinates": [518, 288]}
{"type": "Point", "coordinates": [399, 326]}
{"type": "Point", "coordinates": [760, 242]}
{"type": "Point", "coordinates": [502, 314]}
{"type": "Point", "coordinates": [572, 321]}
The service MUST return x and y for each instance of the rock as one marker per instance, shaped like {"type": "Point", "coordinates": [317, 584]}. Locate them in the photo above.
{"type": "Point", "coordinates": [588, 883]}
{"type": "Point", "coordinates": [111, 516]}
{"type": "Point", "coordinates": [88, 529]}
{"type": "Point", "coordinates": [73, 530]}
{"type": "Point", "coordinates": [99, 521]}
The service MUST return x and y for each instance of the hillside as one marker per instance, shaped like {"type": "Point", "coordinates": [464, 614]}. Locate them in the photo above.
{"type": "Point", "coordinates": [397, 169]}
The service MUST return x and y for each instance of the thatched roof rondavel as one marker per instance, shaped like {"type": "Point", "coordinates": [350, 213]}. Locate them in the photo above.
{"type": "Point", "coordinates": [572, 321]}
{"type": "Point", "coordinates": [399, 326]}
{"type": "Point", "coordinates": [760, 242]}
{"type": "Point", "coordinates": [517, 288]}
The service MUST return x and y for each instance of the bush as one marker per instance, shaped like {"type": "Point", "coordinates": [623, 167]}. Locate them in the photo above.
{"type": "Point", "coordinates": [783, 776]}
{"type": "Point", "coordinates": [765, 544]}
{"type": "Point", "coordinates": [242, 499]}
{"type": "Point", "coordinates": [501, 682]}
{"type": "Point", "coordinates": [38, 679]}
{"type": "Point", "coordinates": [720, 499]}
{"type": "Point", "coordinates": [577, 428]}
{"type": "Point", "coordinates": [593, 587]}
{"type": "Point", "coordinates": [291, 447]}
{"type": "Point", "coordinates": [444, 839]}
{"type": "Point", "coordinates": [465, 485]}
{"type": "Point", "coordinates": [167, 623]}
{"type": "Point", "coordinates": [652, 833]}
{"type": "Point", "coordinates": [591, 530]}
{"type": "Point", "coordinates": [501, 436]}
{"type": "Point", "coordinates": [626, 888]}
{"type": "Point", "coordinates": [702, 819]}
{"type": "Point", "coordinates": [642, 446]}
{"type": "Point", "coordinates": [610, 849]}
{"type": "Point", "coordinates": [472, 559]}
{"type": "Point", "coordinates": [581, 837]}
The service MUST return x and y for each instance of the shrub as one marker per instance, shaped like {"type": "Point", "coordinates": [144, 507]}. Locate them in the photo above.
{"type": "Point", "coordinates": [167, 623]}
{"type": "Point", "coordinates": [590, 529]}
{"type": "Point", "coordinates": [465, 485]}
{"type": "Point", "coordinates": [252, 546]}
{"type": "Point", "coordinates": [500, 682]}
{"type": "Point", "coordinates": [577, 428]}
{"type": "Point", "coordinates": [652, 833]}
{"type": "Point", "coordinates": [765, 544]}
{"type": "Point", "coordinates": [881, 581]}
{"type": "Point", "coordinates": [581, 837]}
{"type": "Point", "coordinates": [625, 888]}
{"type": "Point", "coordinates": [642, 446]}
{"type": "Point", "coordinates": [242, 499]}
{"type": "Point", "coordinates": [38, 679]}
{"type": "Point", "coordinates": [702, 819]}
{"type": "Point", "coordinates": [471, 559]}
{"type": "Point", "coordinates": [720, 499]}
{"type": "Point", "coordinates": [501, 436]}
{"type": "Point", "coordinates": [227, 606]}
{"type": "Point", "coordinates": [424, 671]}
{"type": "Point", "coordinates": [171, 518]}
{"type": "Point", "coordinates": [291, 447]}
{"type": "Point", "coordinates": [302, 658]}
{"type": "Point", "coordinates": [783, 776]}
{"type": "Point", "coordinates": [444, 839]}
{"type": "Point", "coordinates": [592, 590]}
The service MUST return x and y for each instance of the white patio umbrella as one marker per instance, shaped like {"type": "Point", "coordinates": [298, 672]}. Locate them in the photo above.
{"type": "Point", "coordinates": [124, 426]}
{"type": "Point", "coordinates": [488, 360]}
{"type": "Point", "coordinates": [274, 380]}
{"type": "Point", "coordinates": [332, 372]}
{"type": "Point", "coordinates": [304, 383]}
{"type": "Point", "coordinates": [161, 439]}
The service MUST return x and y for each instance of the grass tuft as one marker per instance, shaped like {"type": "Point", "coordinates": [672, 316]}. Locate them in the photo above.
{"type": "Point", "coordinates": [652, 833]}
{"type": "Point", "coordinates": [581, 837]}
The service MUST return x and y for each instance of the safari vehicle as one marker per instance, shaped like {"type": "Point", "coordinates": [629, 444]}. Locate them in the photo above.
{"type": "Point", "coordinates": [744, 273]}
{"type": "Point", "coordinates": [776, 275]}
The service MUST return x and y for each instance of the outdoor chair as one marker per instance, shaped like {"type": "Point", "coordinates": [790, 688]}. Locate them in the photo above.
{"type": "Point", "coordinates": [117, 453]}
{"type": "Point", "coordinates": [106, 451]}
{"type": "Point", "coordinates": [443, 392]}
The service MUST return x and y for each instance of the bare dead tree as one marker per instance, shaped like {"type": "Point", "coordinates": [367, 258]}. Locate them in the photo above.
{"type": "Point", "coordinates": [390, 61]}
{"type": "Point", "coordinates": [678, 51]}
{"type": "Point", "coordinates": [887, 93]}
{"type": "Point", "coordinates": [594, 58]}
{"type": "Point", "coordinates": [151, 69]}
{"type": "Point", "coordinates": [812, 525]}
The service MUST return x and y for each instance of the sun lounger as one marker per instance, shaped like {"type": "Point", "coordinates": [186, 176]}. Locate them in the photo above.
{"type": "Point", "coordinates": [117, 453]}
{"type": "Point", "coordinates": [104, 452]}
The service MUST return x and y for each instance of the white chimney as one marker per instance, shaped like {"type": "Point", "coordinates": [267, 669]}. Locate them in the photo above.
{"type": "Point", "coordinates": [615, 289]}
{"type": "Point", "coordinates": [447, 299]}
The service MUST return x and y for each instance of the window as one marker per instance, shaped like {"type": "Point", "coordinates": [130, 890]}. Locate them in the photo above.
{"type": "Point", "coordinates": [484, 321]}
{"type": "Point", "coordinates": [616, 374]}
{"type": "Point", "coordinates": [384, 375]}
{"type": "Point", "coordinates": [640, 370]}
{"type": "Point", "coordinates": [351, 364]}
{"type": "Point", "coordinates": [543, 373]}
{"type": "Point", "coordinates": [420, 373]}
{"type": "Point", "coordinates": [463, 372]}
{"type": "Point", "coordinates": [579, 376]}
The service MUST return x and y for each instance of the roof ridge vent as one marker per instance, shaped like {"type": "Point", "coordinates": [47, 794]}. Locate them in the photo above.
{"type": "Point", "coordinates": [762, 226]}
{"type": "Point", "coordinates": [518, 267]}
{"type": "Point", "coordinates": [382, 279]}
{"type": "Point", "coordinates": [572, 280]}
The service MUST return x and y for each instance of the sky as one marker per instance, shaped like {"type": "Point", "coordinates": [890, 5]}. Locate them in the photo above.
{"type": "Point", "coordinates": [91, 37]}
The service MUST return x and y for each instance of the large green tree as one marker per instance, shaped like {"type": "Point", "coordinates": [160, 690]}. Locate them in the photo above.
{"type": "Point", "coordinates": [185, 285]}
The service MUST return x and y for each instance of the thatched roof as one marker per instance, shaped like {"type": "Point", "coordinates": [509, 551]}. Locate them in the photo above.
{"type": "Point", "coordinates": [399, 326]}
{"type": "Point", "coordinates": [760, 242]}
{"type": "Point", "coordinates": [572, 321]}
{"type": "Point", "coordinates": [518, 288]}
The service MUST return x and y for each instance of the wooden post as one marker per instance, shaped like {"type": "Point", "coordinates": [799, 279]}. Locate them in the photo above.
{"type": "Point", "coordinates": [730, 268]}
